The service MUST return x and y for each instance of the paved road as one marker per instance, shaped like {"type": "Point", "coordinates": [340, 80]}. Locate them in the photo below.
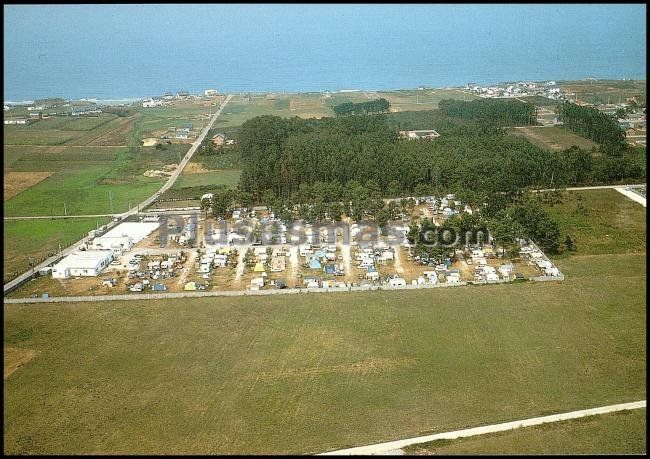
{"type": "Point", "coordinates": [632, 195]}
{"type": "Point", "coordinates": [186, 159]}
{"type": "Point", "coordinates": [579, 188]}
{"type": "Point", "coordinates": [575, 188]}
{"type": "Point", "coordinates": [11, 284]}
{"type": "Point", "coordinates": [382, 448]}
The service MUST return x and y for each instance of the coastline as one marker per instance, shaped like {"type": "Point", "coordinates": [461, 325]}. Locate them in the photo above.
{"type": "Point", "coordinates": [342, 89]}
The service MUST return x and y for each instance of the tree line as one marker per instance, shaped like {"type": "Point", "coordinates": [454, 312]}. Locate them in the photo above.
{"type": "Point", "coordinates": [361, 108]}
{"type": "Point", "coordinates": [593, 124]}
{"type": "Point", "coordinates": [283, 157]}
{"type": "Point", "coordinates": [502, 112]}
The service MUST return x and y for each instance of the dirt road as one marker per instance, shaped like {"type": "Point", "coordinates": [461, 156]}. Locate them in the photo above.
{"type": "Point", "coordinates": [189, 265]}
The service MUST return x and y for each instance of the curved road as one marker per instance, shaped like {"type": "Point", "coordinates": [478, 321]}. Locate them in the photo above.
{"type": "Point", "coordinates": [134, 210]}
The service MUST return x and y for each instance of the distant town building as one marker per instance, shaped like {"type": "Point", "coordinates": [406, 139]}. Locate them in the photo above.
{"type": "Point", "coordinates": [16, 121]}
{"type": "Point", "coordinates": [150, 103]}
{"type": "Point", "coordinates": [88, 110]}
{"type": "Point", "coordinates": [211, 92]}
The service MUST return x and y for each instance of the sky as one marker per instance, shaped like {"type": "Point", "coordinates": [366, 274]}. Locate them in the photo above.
{"type": "Point", "coordinates": [129, 50]}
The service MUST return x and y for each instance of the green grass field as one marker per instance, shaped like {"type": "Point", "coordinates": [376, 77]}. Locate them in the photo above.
{"type": "Point", "coordinates": [230, 178]}
{"type": "Point", "coordinates": [553, 137]}
{"type": "Point", "coordinates": [601, 221]}
{"type": "Point", "coordinates": [623, 432]}
{"type": "Point", "coordinates": [318, 372]}
{"type": "Point", "coordinates": [83, 177]}
{"type": "Point", "coordinates": [83, 193]}
{"type": "Point", "coordinates": [51, 159]}
{"type": "Point", "coordinates": [39, 238]}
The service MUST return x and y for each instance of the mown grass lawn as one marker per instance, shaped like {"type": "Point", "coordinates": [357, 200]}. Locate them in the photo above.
{"type": "Point", "coordinates": [623, 432]}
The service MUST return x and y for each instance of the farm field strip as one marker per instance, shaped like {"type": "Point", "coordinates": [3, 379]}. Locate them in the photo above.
{"type": "Point", "coordinates": [553, 137]}
{"type": "Point", "coordinates": [15, 182]}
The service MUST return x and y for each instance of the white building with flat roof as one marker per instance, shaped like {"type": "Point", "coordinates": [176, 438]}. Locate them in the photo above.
{"type": "Point", "coordinates": [86, 263]}
{"type": "Point", "coordinates": [117, 244]}
{"type": "Point", "coordinates": [137, 231]}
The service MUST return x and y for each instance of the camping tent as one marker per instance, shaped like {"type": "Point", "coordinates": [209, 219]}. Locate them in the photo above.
{"type": "Point", "coordinates": [190, 286]}
{"type": "Point", "coordinates": [314, 264]}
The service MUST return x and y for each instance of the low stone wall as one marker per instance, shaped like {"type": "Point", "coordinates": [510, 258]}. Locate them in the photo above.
{"type": "Point", "coordinates": [193, 294]}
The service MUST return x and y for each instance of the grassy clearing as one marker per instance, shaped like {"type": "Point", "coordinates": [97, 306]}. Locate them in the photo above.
{"type": "Point", "coordinates": [312, 373]}
{"type": "Point", "coordinates": [415, 100]}
{"type": "Point", "coordinates": [229, 159]}
{"type": "Point", "coordinates": [230, 178]}
{"type": "Point", "coordinates": [601, 221]}
{"type": "Point", "coordinates": [553, 137]}
{"type": "Point", "coordinates": [40, 238]}
{"type": "Point", "coordinates": [622, 432]}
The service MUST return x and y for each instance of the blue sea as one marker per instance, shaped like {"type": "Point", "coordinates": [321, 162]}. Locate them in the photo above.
{"type": "Point", "coordinates": [132, 51]}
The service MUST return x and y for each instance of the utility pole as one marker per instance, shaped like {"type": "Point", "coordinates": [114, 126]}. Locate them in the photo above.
{"type": "Point", "coordinates": [65, 211]}
{"type": "Point", "coordinates": [110, 200]}
{"type": "Point", "coordinates": [552, 174]}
